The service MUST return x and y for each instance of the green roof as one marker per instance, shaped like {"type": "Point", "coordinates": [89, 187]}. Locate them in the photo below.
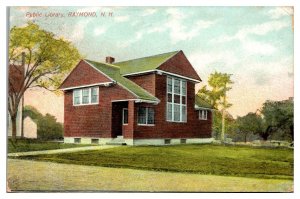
{"type": "Point", "coordinates": [200, 102]}
{"type": "Point", "coordinates": [113, 72]}
{"type": "Point", "coordinates": [144, 63]}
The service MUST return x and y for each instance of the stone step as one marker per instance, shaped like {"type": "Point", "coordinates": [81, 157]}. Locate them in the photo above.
{"type": "Point", "coordinates": [115, 143]}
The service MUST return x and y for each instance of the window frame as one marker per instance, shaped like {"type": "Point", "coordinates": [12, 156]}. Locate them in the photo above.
{"type": "Point", "coordinates": [181, 94]}
{"type": "Point", "coordinates": [203, 116]}
{"type": "Point", "coordinates": [80, 90]}
{"type": "Point", "coordinates": [146, 119]}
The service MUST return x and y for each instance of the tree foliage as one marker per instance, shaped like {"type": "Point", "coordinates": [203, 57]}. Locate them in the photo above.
{"type": "Point", "coordinates": [47, 60]}
{"type": "Point", "coordinates": [278, 116]}
{"type": "Point", "coordinates": [47, 126]}
{"type": "Point", "coordinates": [220, 84]}
{"type": "Point", "coordinates": [249, 124]}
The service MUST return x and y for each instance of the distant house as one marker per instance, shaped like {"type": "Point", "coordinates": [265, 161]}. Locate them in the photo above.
{"type": "Point", "coordinates": [30, 128]}
{"type": "Point", "coordinates": [144, 101]}
{"type": "Point", "coordinates": [16, 75]}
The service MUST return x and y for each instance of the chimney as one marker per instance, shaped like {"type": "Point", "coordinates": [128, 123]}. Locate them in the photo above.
{"type": "Point", "coordinates": [109, 60]}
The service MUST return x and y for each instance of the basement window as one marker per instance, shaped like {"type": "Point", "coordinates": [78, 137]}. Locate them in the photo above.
{"type": "Point", "coordinates": [182, 141]}
{"type": "Point", "coordinates": [77, 140]}
{"type": "Point", "coordinates": [167, 141]}
{"type": "Point", "coordinates": [95, 141]}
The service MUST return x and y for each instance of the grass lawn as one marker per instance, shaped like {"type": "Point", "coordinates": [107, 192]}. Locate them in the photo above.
{"type": "Point", "coordinates": [49, 176]}
{"type": "Point", "coordinates": [276, 163]}
{"type": "Point", "coordinates": [23, 145]}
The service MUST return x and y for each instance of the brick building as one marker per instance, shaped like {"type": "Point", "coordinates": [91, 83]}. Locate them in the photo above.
{"type": "Point", "coordinates": [145, 101]}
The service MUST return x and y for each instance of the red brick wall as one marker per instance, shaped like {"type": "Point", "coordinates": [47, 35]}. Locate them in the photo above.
{"type": "Point", "coordinates": [128, 130]}
{"type": "Point", "coordinates": [86, 74]}
{"type": "Point", "coordinates": [92, 120]}
{"type": "Point", "coordinates": [180, 65]}
{"type": "Point", "coordinates": [193, 128]}
{"type": "Point", "coordinates": [146, 81]}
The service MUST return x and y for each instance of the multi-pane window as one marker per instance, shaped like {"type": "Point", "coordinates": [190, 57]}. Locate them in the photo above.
{"type": "Point", "coordinates": [76, 97]}
{"type": "Point", "coordinates": [176, 99]}
{"type": "Point", "coordinates": [86, 96]}
{"type": "Point", "coordinates": [94, 95]}
{"type": "Point", "coordinates": [203, 114]}
{"type": "Point", "coordinates": [145, 115]}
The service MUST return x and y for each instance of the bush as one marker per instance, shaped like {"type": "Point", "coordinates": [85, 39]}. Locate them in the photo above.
{"type": "Point", "coordinates": [49, 129]}
{"type": "Point", "coordinates": [47, 126]}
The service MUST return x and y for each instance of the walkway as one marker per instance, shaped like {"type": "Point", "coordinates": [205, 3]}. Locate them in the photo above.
{"type": "Point", "coordinates": [69, 150]}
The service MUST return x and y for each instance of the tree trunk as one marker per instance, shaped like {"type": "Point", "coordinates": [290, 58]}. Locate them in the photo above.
{"type": "Point", "coordinates": [14, 128]}
{"type": "Point", "coordinates": [223, 126]}
{"type": "Point", "coordinates": [292, 132]}
{"type": "Point", "coordinates": [245, 140]}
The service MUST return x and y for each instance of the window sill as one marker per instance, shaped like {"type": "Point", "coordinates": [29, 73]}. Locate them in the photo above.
{"type": "Point", "coordinates": [146, 124]}
{"type": "Point", "coordinates": [125, 124]}
{"type": "Point", "coordinates": [202, 119]}
{"type": "Point", "coordinates": [85, 104]}
{"type": "Point", "coordinates": [176, 121]}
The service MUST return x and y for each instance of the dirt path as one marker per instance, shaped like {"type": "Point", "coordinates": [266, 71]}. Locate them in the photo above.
{"type": "Point", "coordinates": [26, 175]}
{"type": "Point", "coordinates": [54, 151]}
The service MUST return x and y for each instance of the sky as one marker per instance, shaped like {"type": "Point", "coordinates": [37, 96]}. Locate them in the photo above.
{"type": "Point", "coordinates": [254, 44]}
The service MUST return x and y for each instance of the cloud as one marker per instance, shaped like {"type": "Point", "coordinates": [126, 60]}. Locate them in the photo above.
{"type": "Point", "coordinates": [258, 29]}
{"type": "Point", "coordinates": [120, 19]}
{"type": "Point", "coordinates": [149, 12]}
{"type": "Point", "coordinates": [207, 62]}
{"type": "Point", "coordinates": [279, 12]}
{"type": "Point", "coordinates": [255, 47]}
{"type": "Point", "coordinates": [99, 31]}
{"type": "Point", "coordinates": [79, 30]}
{"type": "Point", "coordinates": [178, 29]}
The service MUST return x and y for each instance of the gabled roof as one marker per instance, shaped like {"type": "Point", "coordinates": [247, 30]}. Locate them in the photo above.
{"type": "Point", "coordinates": [201, 103]}
{"type": "Point", "coordinates": [113, 72]}
{"type": "Point", "coordinates": [144, 63]}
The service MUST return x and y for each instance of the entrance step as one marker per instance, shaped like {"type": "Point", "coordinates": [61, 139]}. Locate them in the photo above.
{"type": "Point", "coordinates": [117, 141]}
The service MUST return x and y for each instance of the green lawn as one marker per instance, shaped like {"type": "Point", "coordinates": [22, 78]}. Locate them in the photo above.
{"type": "Point", "coordinates": [23, 145]}
{"type": "Point", "coordinates": [243, 161]}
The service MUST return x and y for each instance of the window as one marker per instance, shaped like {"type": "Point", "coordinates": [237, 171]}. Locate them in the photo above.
{"type": "Point", "coordinates": [176, 100]}
{"type": "Point", "coordinates": [203, 114]}
{"type": "Point", "coordinates": [77, 140]}
{"type": "Point", "coordinates": [95, 141]}
{"type": "Point", "coordinates": [182, 141]}
{"type": "Point", "coordinates": [167, 141]}
{"type": "Point", "coordinates": [94, 95]}
{"type": "Point", "coordinates": [145, 116]}
{"type": "Point", "coordinates": [86, 96]}
{"type": "Point", "coordinates": [77, 98]}
{"type": "Point", "coordinates": [125, 116]}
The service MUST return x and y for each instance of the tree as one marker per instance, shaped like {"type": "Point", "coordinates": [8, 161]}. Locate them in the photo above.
{"type": "Point", "coordinates": [47, 60]}
{"type": "Point", "coordinates": [220, 84]}
{"type": "Point", "coordinates": [250, 123]}
{"type": "Point", "coordinates": [47, 126]}
{"type": "Point", "coordinates": [278, 116]}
